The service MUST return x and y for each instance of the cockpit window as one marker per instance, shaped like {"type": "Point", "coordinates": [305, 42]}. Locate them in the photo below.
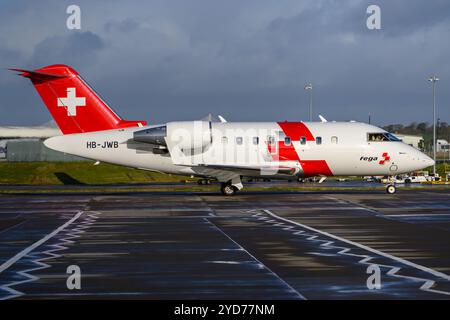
{"type": "Point", "coordinates": [393, 137]}
{"type": "Point", "coordinates": [371, 137]}
{"type": "Point", "coordinates": [381, 136]}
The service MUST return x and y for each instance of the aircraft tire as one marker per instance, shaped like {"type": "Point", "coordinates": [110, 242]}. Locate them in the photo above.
{"type": "Point", "coordinates": [228, 189]}
{"type": "Point", "coordinates": [391, 189]}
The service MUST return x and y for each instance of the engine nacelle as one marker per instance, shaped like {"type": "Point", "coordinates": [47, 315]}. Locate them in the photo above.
{"type": "Point", "coordinates": [155, 135]}
{"type": "Point", "coordinates": [189, 135]}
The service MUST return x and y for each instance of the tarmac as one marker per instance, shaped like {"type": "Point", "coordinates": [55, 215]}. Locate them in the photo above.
{"type": "Point", "coordinates": [202, 245]}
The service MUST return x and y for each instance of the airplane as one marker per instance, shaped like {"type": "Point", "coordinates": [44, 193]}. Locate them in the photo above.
{"type": "Point", "coordinates": [225, 151]}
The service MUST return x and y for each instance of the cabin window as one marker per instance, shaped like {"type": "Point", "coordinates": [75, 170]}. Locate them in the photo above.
{"type": "Point", "coordinates": [334, 139]}
{"type": "Point", "coordinates": [271, 140]}
{"type": "Point", "coordinates": [239, 140]}
{"type": "Point", "coordinates": [303, 140]}
{"type": "Point", "coordinates": [287, 141]}
{"type": "Point", "coordinates": [318, 140]}
{"type": "Point", "coordinates": [224, 140]}
{"type": "Point", "coordinates": [255, 140]}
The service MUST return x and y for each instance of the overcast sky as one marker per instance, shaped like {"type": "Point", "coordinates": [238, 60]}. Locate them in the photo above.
{"type": "Point", "coordinates": [247, 60]}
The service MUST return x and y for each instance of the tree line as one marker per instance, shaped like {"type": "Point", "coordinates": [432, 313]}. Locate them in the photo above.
{"type": "Point", "coordinates": [423, 129]}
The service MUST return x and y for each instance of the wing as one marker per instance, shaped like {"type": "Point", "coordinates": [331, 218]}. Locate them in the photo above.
{"type": "Point", "coordinates": [225, 173]}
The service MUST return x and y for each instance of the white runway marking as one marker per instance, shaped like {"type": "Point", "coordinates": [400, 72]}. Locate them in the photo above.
{"type": "Point", "coordinates": [13, 226]}
{"type": "Point", "coordinates": [356, 244]}
{"type": "Point", "coordinates": [259, 262]}
{"type": "Point", "coordinates": [426, 286]}
{"type": "Point", "coordinates": [29, 249]}
{"type": "Point", "coordinates": [418, 215]}
{"type": "Point", "coordinates": [350, 203]}
{"type": "Point", "coordinates": [39, 262]}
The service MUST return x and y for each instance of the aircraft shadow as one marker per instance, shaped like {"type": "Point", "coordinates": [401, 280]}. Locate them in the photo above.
{"type": "Point", "coordinates": [67, 179]}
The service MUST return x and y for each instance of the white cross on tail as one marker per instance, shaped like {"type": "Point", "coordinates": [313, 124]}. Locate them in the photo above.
{"type": "Point", "coordinates": [72, 102]}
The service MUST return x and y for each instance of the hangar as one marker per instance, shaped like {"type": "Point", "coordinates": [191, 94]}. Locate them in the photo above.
{"type": "Point", "coordinates": [26, 144]}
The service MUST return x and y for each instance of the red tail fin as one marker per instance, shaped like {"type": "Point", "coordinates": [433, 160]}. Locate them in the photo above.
{"type": "Point", "coordinates": [73, 104]}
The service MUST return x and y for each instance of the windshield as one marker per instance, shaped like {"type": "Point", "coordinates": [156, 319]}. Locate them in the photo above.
{"type": "Point", "coordinates": [381, 136]}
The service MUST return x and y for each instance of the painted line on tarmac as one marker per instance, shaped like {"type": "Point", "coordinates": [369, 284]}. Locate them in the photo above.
{"type": "Point", "coordinates": [38, 243]}
{"type": "Point", "coordinates": [51, 253]}
{"type": "Point", "coordinates": [356, 244]}
{"type": "Point", "coordinates": [418, 215]}
{"type": "Point", "coordinates": [426, 286]}
{"type": "Point", "coordinates": [259, 262]}
{"type": "Point", "coordinates": [355, 205]}
{"type": "Point", "coordinates": [13, 226]}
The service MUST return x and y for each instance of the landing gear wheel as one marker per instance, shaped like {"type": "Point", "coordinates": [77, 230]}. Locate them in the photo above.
{"type": "Point", "coordinates": [203, 182]}
{"type": "Point", "coordinates": [228, 189]}
{"type": "Point", "coordinates": [391, 189]}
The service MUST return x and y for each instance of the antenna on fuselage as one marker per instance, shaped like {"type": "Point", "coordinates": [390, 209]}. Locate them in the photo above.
{"type": "Point", "coordinates": [222, 119]}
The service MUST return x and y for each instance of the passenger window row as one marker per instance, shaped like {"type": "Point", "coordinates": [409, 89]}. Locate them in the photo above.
{"type": "Point", "coordinates": [271, 140]}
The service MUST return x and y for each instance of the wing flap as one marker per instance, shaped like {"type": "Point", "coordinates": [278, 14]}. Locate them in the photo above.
{"type": "Point", "coordinates": [252, 170]}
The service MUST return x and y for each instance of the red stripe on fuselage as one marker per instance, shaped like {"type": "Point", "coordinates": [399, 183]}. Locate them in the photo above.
{"type": "Point", "coordinates": [315, 168]}
{"type": "Point", "coordinates": [284, 153]}
{"type": "Point", "coordinates": [296, 130]}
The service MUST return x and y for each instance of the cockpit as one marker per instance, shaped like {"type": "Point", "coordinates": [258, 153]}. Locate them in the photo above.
{"type": "Point", "coordinates": [382, 137]}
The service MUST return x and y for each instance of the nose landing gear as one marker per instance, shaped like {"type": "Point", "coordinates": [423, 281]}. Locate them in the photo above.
{"type": "Point", "coordinates": [391, 189]}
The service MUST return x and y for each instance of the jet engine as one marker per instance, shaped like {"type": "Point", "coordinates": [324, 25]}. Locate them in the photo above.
{"type": "Point", "coordinates": [186, 135]}
{"type": "Point", "coordinates": [155, 135]}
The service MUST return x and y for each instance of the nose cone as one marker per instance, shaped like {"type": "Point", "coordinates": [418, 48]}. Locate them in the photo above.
{"type": "Point", "coordinates": [428, 161]}
{"type": "Point", "coordinates": [423, 161]}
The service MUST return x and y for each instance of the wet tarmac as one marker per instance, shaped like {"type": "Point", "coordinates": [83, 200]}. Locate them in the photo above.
{"type": "Point", "coordinates": [255, 245]}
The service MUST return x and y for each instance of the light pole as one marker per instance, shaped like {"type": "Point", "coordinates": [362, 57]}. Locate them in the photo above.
{"type": "Point", "coordinates": [309, 87]}
{"type": "Point", "coordinates": [433, 79]}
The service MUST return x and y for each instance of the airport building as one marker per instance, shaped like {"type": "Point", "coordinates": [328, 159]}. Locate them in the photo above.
{"type": "Point", "coordinates": [414, 141]}
{"type": "Point", "coordinates": [442, 145]}
{"type": "Point", "coordinates": [26, 144]}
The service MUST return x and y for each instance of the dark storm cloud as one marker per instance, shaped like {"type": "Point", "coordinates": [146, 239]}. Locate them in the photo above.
{"type": "Point", "coordinates": [406, 17]}
{"type": "Point", "coordinates": [78, 48]}
{"type": "Point", "coordinates": [8, 55]}
{"type": "Point", "coordinates": [128, 25]}
{"type": "Point", "coordinates": [247, 60]}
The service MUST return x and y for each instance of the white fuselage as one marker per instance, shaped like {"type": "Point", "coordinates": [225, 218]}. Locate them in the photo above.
{"type": "Point", "coordinates": [213, 149]}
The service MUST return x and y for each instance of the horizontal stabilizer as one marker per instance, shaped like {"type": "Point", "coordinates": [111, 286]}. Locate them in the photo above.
{"type": "Point", "coordinates": [37, 75]}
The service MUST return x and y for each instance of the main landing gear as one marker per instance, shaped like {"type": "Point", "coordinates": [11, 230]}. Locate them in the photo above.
{"type": "Point", "coordinates": [228, 189]}
{"type": "Point", "coordinates": [391, 189]}
{"type": "Point", "coordinates": [232, 186]}
{"type": "Point", "coordinates": [203, 182]}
